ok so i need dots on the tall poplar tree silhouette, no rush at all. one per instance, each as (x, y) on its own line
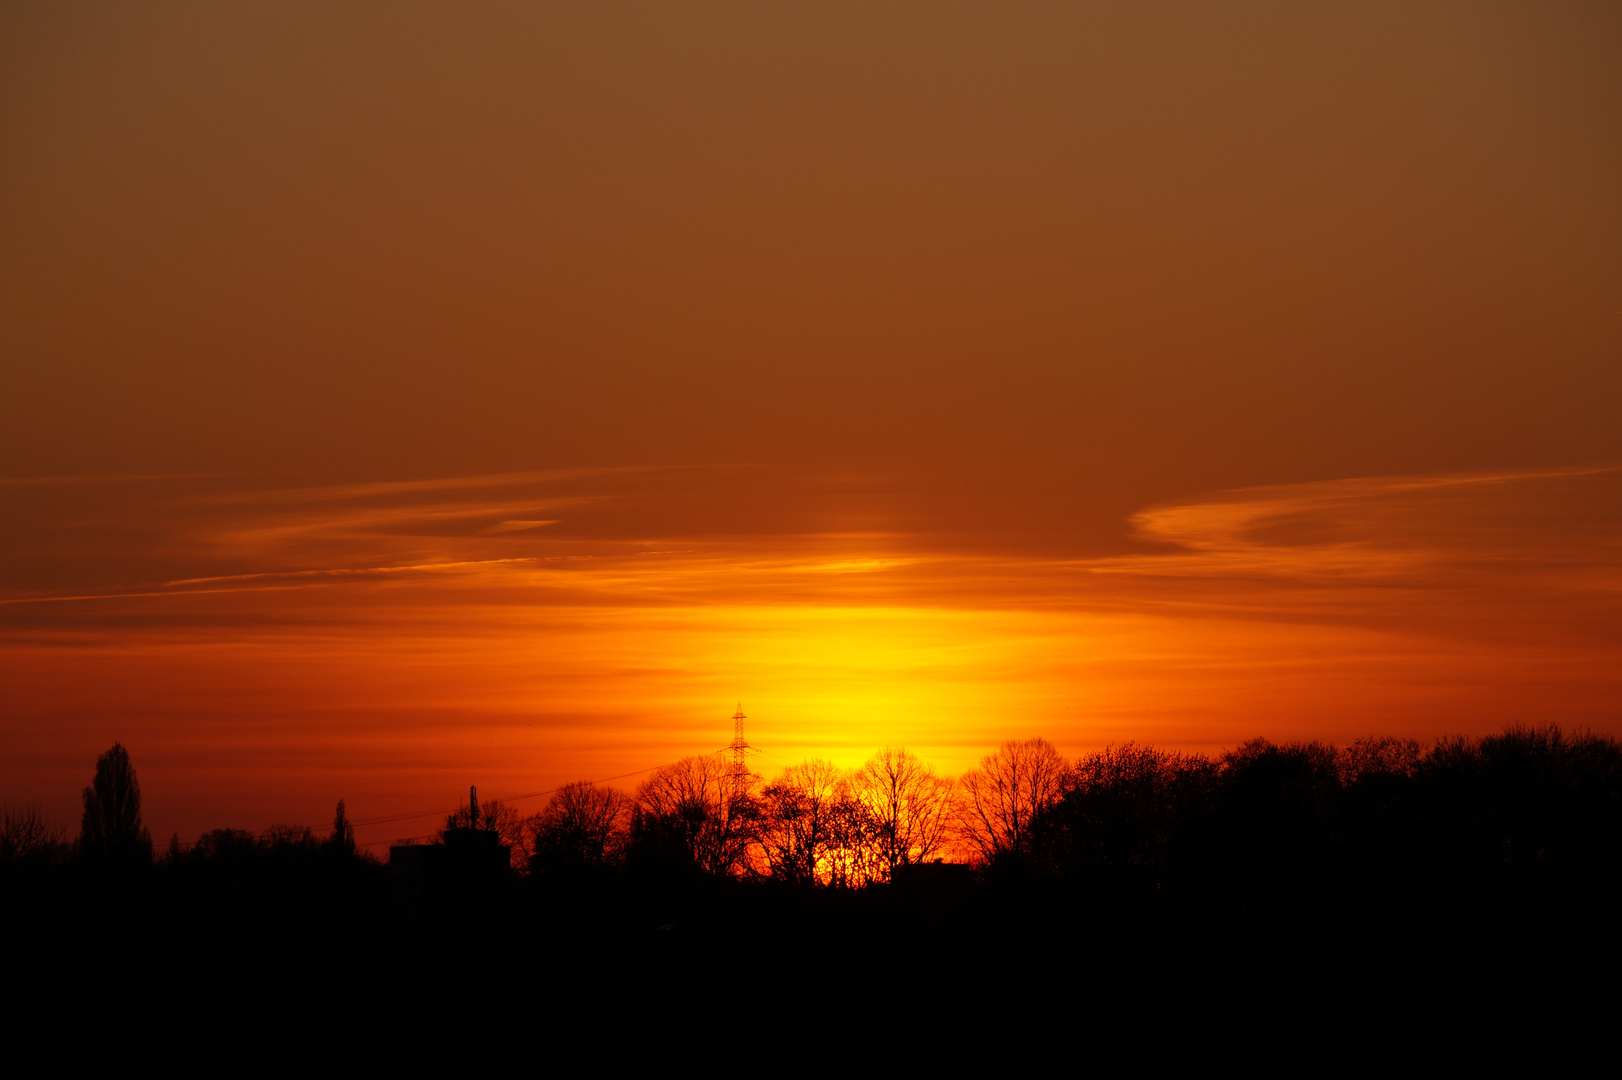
(111, 831)
(343, 833)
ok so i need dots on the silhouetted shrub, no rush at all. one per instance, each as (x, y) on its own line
(29, 839)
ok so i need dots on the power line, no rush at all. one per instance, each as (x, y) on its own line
(502, 798)
(737, 748)
(442, 810)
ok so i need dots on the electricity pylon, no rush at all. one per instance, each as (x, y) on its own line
(740, 749)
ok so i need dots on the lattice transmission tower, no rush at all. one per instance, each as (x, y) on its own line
(739, 748)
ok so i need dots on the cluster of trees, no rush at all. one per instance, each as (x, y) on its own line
(278, 844)
(1264, 826)
(1526, 797)
(1517, 825)
(110, 833)
(112, 836)
(815, 824)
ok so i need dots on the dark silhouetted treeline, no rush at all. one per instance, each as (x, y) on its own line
(1382, 906)
(1526, 824)
(1522, 825)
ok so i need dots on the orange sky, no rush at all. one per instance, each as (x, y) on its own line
(392, 399)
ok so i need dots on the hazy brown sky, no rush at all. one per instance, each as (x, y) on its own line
(968, 302)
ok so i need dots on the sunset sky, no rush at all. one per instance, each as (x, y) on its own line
(395, 396)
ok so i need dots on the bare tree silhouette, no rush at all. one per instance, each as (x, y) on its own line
(285, 840)
(583, 828)
(708, 807)
(28, 837)
(1378, 756)
(802, 817)
(911, 809)
(111, 831)
(1003, 798)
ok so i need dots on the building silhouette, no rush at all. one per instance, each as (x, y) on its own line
(466, 855)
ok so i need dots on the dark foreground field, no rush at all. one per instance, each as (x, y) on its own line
(734, 976)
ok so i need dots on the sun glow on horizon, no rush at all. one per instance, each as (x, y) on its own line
(355, 652)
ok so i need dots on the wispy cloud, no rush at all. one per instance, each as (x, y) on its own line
(352, 571)
(419, 628)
